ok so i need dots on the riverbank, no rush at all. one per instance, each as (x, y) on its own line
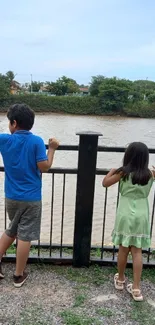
(60, 295)
(85, 105)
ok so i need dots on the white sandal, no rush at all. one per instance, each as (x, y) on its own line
(136, 293)
(119, 285)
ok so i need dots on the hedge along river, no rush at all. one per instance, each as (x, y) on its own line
(117, 131)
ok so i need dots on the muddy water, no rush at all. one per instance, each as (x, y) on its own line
(117, 131)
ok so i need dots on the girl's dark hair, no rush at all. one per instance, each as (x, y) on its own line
(135, 163)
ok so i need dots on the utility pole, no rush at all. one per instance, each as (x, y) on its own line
(31, 83)
(145, 88)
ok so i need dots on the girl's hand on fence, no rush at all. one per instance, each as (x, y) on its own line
(53, 143)
(111, 178)
(114, 170)
(153, 172)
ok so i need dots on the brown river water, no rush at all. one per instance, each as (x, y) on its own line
(117, 131)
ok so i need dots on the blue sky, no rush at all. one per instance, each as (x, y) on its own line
(78, 38)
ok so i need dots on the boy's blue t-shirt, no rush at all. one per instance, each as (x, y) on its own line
(21, 151)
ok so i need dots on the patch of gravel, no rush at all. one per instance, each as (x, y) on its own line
(44, 289)
(45, 294)
(105, 296)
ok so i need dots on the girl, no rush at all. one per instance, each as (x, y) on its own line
(132, 230)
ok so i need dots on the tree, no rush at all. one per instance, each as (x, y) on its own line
(4, 87)
(135, 96)
(55, 88)
(83, 86)
(114, 93)
(35, 86)
(10, 75)
(95, 84)
(144, 87)
(151, 98)
(63, 86)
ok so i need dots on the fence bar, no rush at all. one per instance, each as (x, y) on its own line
(52, 205)
(68, 147)
(104, 217)
(62, 217)
(85, 197)
(117, 149)
(152, 219)
(114, 248)
(5, 216)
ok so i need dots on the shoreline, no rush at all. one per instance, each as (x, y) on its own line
(80, 106)
(123, 116)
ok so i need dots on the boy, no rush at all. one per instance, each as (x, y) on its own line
(24, 156)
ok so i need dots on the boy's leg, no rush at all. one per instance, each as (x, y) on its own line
(5, 243)
(137, 266)
(23, 249)
(10, 233)
(28, 230)
(122, 261)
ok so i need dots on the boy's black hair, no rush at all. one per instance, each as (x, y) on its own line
(23, 115)
(135, 163)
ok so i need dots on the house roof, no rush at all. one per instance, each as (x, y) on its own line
(84, 89)
(44, 88)
(15, 84)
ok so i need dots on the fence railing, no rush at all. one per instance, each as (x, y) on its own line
(81, 252)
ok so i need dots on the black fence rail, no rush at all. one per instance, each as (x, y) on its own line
(80, 252)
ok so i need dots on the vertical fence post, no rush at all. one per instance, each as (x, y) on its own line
(85, 197)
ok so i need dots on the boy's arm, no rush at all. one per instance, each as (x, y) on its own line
(4, 139)
(45, 165)
(111, 178)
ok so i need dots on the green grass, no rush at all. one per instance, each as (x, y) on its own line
(104, 312)
(82, 287)
(95, 252)
(143, 313)
(79, 300)
(35, 315)
(70, 318)
(11, 250)
(94, 275)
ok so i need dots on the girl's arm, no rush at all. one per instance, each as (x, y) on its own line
(111, 178)
(153, 172)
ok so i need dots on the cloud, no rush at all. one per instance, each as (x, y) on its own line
(77, 37)
(69, 63)
(144, 55)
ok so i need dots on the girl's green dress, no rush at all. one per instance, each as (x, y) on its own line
(132, 226)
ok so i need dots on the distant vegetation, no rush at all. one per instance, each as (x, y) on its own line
(103, 96)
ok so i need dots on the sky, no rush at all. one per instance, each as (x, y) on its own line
(77, 38)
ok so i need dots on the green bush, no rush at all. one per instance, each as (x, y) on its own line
(140, 109)
(86, 105)
(64, 104)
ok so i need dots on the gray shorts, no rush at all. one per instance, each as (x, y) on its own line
(25, 219)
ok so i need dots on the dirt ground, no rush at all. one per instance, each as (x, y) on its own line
(65, 295)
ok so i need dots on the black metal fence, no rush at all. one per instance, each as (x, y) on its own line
(81, 252)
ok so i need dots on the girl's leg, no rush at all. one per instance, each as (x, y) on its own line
(137, 266)
(122, 261)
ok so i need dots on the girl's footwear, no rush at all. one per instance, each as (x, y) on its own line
(1, 273)
(136, 293)
(119, 285)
